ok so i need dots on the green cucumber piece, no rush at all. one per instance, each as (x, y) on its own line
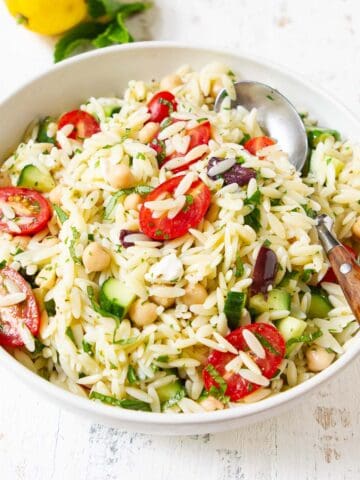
(110, 110)
(171, 393)
(42, 136)
(115, 297)
(234, 305)
(277, 299)
(320, 305)
(32, 177)
(291, 327)
(316, 135)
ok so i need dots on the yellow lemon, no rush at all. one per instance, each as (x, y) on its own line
(48, 17)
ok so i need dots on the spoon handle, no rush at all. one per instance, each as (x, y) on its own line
(347, 272)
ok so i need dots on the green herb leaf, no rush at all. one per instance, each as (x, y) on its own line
(50, 307)
(255, 198)
(60, 213)
(42, 136)
(220, 388)
(70, 334)
(245, 138)
(126, 403)
(126, 341)
(266, 344)
(306, 338)
(2, 264)
(179, 395)
(131, 375)
(307, 274)
(84, 31)
(253, 219)
(76, 236)
(115, 33)
(88, 348)
(309, 211)
(39, 346)
(96, 307)
(139, 189)
(239, 267)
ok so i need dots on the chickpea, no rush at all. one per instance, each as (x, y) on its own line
(148, 132)
(356, 228)
(212, 213)
(95, 258)
(5, 180)
(121, 177)
(55, 195)
(318, 358)
(164, 302)
(170, 82)
(194, 294)
(216, 87)
(143, 313)
(132, 201)
(211, 403)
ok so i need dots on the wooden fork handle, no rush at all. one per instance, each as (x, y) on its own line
(347, 272)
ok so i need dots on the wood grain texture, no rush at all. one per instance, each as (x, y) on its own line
(318, 439)
(350, 281)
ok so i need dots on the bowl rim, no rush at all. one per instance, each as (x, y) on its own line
(68, 399)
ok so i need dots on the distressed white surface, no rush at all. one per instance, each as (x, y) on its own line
(317, 440)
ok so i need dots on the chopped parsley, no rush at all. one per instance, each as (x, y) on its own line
(255, 198)
(139, 189)
(2, 264)
(239, 267)
(307, 274)
(253, 219)
(62, 216)
(50, 307)
(76, 236)
(131, 375)
(88, 348)
(163, 101)
(70, 334)
(245, 139)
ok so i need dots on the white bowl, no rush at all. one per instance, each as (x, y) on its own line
(105, 73)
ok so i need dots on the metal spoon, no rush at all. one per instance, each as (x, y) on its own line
(279, 119)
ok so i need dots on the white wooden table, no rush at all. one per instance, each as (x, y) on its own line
(317, 440)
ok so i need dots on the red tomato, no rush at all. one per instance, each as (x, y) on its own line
(258, 143)
(190, 216)
(84, 124)
(199, 135)
(330, 275)
(26, 312)
(32, 210)
(237, 386)
(161, 106)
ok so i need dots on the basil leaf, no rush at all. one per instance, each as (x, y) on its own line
(126, 341)
(115, 33)
(140, 189)
(60, 213)
(70, 334)
(126, 403)
(306, 338)
(50, 307)
(253, 219)
(76, 236)
(131, 375)
(266, 344)
(87, 30)
(219, 389)
(96, 307)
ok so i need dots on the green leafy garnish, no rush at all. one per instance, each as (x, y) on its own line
(60, 213)
(115, 33)
(96, 307)
(306, 338)
(307, 274)
(2, 264)
(245, 139)
(139, 189)
(309, 211)
(42, 136)
(75, 238)
(129, 404)
(218, 390)
(170, 106)
(50, 307)
(265, 343)
(70, 334)
(179, 395)
(131, 375)
(126, 341)
(253, 219)
(88, 348)
(239, 267)
(39, 346)
(255, 198)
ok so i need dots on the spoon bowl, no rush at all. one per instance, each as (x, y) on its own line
(277, 117)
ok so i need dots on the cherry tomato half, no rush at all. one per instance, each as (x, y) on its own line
(161, 106)
(32, 210)
(84, 124)
(237, 386)
(330, 275)
(163, 228)
(199, 135)
(258, 143)
(26, 312)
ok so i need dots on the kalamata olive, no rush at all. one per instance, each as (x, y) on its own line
(232, 173)
(264, 271)
(124, 234)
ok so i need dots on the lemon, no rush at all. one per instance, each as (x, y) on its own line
(48, 17)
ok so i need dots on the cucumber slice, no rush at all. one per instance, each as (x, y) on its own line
(320, 305)
(171, 393)
(277, 299)
(115, 297)
(32, 177)
(316, 135)
(291, 327)
(110, 110)
(234, 304)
